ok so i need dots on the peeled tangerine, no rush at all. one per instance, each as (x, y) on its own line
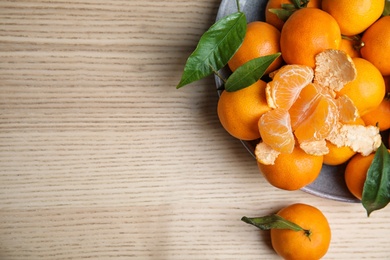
(305, 109)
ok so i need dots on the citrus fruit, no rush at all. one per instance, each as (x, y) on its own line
(339, 155)
(368, 89)
(379, 116)
(307, 32)
(354, 16)
(376, 47)
(286, 85)
(275, 130)
(387, 83)
(351, 46)
(313, 243)
(356, 173)
(261, 39)
(292, 171)
(314, 114)
(239, 111)
(273, 19)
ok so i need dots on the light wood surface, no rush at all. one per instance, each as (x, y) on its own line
(102, 158)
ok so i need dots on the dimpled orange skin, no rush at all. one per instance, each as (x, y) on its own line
(291, 244)
(273, 19)
(348, 46)
(376, 48)
(354, 16)
(368, 89)
(356, 173)
(306, 33)
(261, 39)
(240, 111)
(292, 171)
(380, 116)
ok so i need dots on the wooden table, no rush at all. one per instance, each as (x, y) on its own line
(103, 158)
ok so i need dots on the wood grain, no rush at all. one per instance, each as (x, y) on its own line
(102, 158)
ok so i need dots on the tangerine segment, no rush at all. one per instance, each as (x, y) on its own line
(304, 105)
(286, 85)
(320, 123)
(275, 130)
(348, 112)
(314, 114)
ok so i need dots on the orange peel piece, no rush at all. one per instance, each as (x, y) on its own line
(334, 69)
(361, 139)
(265, 154)
(315, 147)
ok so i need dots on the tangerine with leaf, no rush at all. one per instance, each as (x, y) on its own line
(307, 32)
(239, 111)
(278, 11)
(261, 39)
(298, 231)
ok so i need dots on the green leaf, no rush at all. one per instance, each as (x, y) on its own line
(215, 48)
(272, 221)
(289, 7)
(297, 3)
(249, 72)
(376, 190)
(386, 11)
(282, 14)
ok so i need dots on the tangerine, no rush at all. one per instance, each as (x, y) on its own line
(261, 39)
(239, 111)
(379, 116)
(367, 90)
(376, 47)
(307, 32)
(339, 155)
(273, 19)
(356, 173)
(292, 171)
(311, 243)
(354, 16)
(351, 47)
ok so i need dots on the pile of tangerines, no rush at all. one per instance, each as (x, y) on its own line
(326, 101)
(327, 97)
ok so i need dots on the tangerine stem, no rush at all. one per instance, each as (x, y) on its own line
(217, 74)
(238, 5)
